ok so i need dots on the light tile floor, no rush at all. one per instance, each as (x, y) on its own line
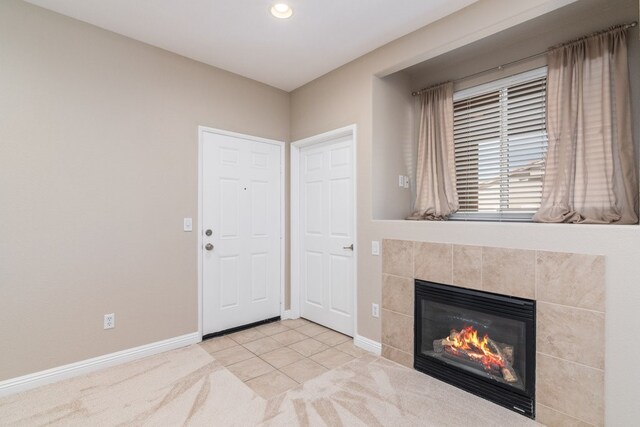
(276, 357)
(186, 386)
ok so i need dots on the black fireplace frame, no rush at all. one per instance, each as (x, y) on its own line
(520, 401)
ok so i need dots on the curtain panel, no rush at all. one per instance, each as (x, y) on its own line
(591, 171)
(437, 197)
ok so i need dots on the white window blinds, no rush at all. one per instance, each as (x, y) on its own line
(500, 142)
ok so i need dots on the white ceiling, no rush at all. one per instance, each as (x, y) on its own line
(242, 37)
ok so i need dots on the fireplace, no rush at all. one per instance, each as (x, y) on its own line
(481, 342)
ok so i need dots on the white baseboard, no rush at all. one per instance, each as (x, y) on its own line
(288, 314)
(367, 344)
(29, 381)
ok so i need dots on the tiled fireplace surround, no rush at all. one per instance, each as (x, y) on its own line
(570, 294)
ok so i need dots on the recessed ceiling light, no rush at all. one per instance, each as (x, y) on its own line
(281, 10)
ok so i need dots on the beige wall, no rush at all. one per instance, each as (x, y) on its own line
(344, 96)
(393, 146)
(98, 167)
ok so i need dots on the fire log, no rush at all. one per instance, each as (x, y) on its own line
(504, 352)
(507, 353)
(494, 347)
(468, 358)
(508, 374)
(439, 345)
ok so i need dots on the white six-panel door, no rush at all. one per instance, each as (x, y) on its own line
(241, 206)
(326, 234)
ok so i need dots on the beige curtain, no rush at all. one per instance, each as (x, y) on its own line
(591, 174)
(436, 175)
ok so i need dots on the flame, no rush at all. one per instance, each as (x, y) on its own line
(476, 348)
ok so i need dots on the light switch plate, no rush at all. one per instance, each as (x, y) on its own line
(406, 182)
(188, 224)
(375, 247)
(400, 180)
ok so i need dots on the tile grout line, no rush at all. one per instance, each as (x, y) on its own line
(564, 413)
(397, 312)
(451, 246)
(283, 346)
(535, 275)
(395, 348)
(413, 258)
(276, 369)
(395, 275)
(571, 306)
(327, 369)
(481, 268)
(280, 371)
(570, 361)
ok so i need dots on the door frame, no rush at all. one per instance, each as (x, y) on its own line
(296, 147)
(199, 226)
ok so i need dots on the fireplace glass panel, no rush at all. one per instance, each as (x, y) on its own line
(481, 343)
(478, 341)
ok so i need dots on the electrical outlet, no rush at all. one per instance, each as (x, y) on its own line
(110, 321)
(375, 310)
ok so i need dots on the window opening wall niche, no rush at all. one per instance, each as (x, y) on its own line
(394, 134)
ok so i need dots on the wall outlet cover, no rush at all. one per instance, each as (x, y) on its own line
(109, 321)
(375, 310)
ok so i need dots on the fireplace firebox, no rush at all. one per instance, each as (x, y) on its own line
(481, 342)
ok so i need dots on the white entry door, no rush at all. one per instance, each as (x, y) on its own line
(327, 233)
(241, 226)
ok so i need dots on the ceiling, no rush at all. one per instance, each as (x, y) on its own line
(241, 36)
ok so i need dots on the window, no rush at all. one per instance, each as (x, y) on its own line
(500, 142)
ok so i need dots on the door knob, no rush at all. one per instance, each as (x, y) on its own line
(348, 247)
(208, 232)
(208, 247)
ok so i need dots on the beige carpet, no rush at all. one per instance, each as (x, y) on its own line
(188, 387)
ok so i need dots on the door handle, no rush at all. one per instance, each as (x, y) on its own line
(208, 247)
(348, 247)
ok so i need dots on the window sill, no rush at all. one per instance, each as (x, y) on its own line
(456, 223)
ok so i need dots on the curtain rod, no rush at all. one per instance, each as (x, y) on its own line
(508, 64)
